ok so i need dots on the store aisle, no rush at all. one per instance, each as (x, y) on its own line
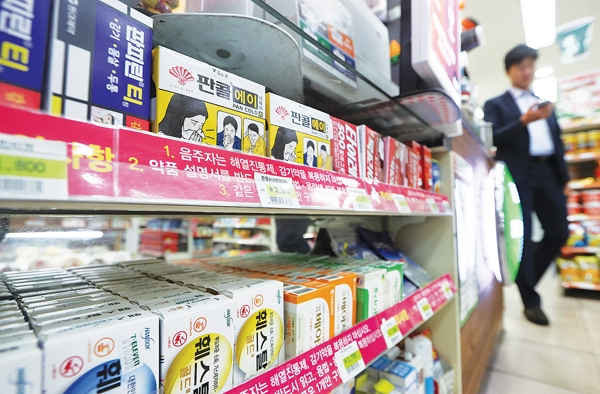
(559, 359)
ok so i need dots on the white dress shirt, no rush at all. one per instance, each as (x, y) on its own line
(540, 136)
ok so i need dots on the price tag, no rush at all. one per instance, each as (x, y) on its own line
(586, 155)
(391, 332)
(447, 207)
(360, 200)
(433, 205)
(349, 361)
(32, 168)
(446, 289)
(401, 203)
(425, 309)
(276, 191)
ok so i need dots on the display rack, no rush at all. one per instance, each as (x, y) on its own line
(580, 128)
(579, 250)
(582, 157)
(132, 182)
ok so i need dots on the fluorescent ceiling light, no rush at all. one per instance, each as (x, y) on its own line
(56, 235)
(539, 21)
(544, 72)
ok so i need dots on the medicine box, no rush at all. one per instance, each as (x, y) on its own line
(297, 133)
(100, 61)
(395, 161)
(345, 148)
(201, 103)
(23, 42)
(371, 153)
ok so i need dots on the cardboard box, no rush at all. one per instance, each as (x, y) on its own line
(298, 133)
(118, 354)
(200, 103)
(436, 182)
(395, 161)
(371, 153)
(345, 148)
(20, 364)
(23, 39)
(413, 166)
(100, 63)
(426, 176)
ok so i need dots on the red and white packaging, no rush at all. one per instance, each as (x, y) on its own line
(371, 153)
(396, 156)
(426, 168)
(413, 166)
(345, 148)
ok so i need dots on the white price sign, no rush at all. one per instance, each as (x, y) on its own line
(391, 332)
(360, 200)
(433, 205)
(349, 361)
(32, 168)
(446, 289)
(425, 309)
(276, 191)
(401, 203)
(447, 207)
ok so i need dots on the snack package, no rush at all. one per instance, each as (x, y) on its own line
(396, 156)
(577, 236)
(569, 270)
(592, 232)
(589, 270)
(345, 148)
(100, 62)
(371, 153)
(23, 39)
(201, 103)
(298, 134)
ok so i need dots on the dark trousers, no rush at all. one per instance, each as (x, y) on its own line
(542, 193)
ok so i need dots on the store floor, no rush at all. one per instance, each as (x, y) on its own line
(559, 359)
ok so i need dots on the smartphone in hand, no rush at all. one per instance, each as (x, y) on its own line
(543, 103)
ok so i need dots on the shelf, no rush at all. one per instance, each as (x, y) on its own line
(243, 226)
(105, 170)
(581, 128)
(579, 249)
(582, 157)
(584, 185)
(369, 339)
(580, 285)
(581, 217)
(241, 242)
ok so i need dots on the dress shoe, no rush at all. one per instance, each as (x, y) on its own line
(536, 316)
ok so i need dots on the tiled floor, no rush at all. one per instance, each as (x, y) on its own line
(559, 359)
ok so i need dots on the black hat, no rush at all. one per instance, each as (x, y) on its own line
(518, 54)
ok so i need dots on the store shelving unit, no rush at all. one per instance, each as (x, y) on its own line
(581, 128)
(582, 157)
(261, 233)
(129, 188)
(580, 250)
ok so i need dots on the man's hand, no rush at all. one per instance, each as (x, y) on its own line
(536, 113)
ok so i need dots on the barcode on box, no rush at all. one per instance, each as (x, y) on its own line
(281, 200)
(301, 291)
(26, 186)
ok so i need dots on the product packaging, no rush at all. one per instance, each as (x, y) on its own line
(201, 103)
(426, 170)
(372, 153)
(589, 269)
(20, 364)
(413, 167)
(403, 376)
(436, 181)
(396, 156)
(118, 354)
(298, 133)
(23, 39)
(100, 62)
(569, 269)
(422, 347)
(345, 148)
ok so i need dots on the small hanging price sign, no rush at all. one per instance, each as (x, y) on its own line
(360, 200)
(401, 203)
(276, 191)
(433, 205)
(349, 361)
(391, 332)
(424, 308)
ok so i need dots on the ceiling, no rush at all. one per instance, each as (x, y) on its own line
(503, 29)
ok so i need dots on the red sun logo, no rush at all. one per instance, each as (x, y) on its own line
(182, 75)
(281, 111)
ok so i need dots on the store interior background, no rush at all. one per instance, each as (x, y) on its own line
(503, 29)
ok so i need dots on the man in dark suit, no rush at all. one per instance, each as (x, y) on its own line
(527, 137)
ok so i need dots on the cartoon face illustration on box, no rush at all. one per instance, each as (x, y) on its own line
(285, 145)
(184, 118)
(254, 138)
(296, 147)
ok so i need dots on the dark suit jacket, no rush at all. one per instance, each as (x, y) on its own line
(512, 138)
